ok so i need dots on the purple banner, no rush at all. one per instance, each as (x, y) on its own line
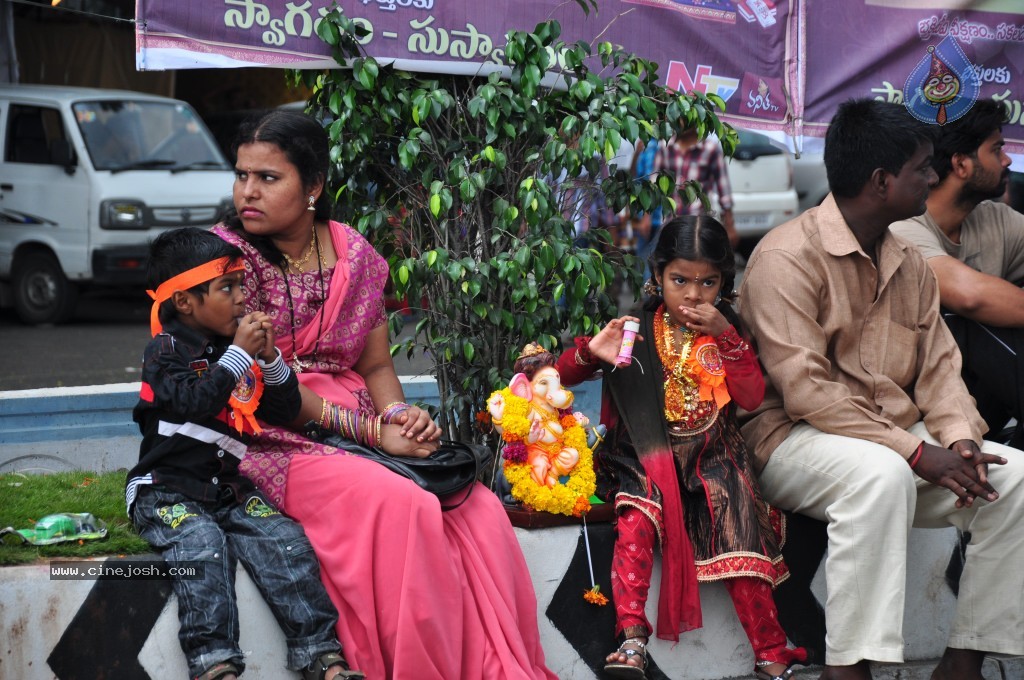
(780, 65)
(734, 49)
(859, 48)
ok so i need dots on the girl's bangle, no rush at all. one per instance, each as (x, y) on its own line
(583, 356)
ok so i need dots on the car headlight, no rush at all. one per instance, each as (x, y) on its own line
(121, 214)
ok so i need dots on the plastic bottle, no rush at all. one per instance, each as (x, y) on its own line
(629, 331)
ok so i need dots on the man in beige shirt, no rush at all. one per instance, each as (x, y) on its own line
(975, 247)
(866, 423)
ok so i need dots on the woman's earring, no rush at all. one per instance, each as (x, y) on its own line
(651, 288)
(312, 203)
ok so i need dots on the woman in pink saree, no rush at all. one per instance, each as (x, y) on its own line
(420, 593)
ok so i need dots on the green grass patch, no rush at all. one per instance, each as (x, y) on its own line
(24, 499)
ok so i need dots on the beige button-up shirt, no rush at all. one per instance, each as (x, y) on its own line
(849, 348)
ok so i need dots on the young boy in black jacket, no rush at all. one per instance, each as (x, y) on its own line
(200, 398)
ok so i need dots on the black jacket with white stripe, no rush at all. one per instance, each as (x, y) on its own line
(190, 442)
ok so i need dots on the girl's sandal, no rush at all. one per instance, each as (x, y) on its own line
(765, 675)
(317, 670)
(632, 648)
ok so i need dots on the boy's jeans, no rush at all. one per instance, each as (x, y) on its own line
(211, 538)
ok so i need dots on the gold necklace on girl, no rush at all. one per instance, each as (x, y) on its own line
(685, 410)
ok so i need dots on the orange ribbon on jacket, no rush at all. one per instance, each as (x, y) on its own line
(245, 399)
(185, 280)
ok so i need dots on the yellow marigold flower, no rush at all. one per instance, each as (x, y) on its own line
(517, 426)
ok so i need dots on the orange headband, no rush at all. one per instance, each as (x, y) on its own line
(185, 280)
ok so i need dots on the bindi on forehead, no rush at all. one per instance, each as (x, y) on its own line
(693, 271)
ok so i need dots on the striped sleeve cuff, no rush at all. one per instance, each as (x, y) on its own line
(276, 372)
(236, 360)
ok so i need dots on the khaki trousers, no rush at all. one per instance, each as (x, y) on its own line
(871, 498)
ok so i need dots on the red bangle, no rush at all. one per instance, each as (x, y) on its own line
(583, 356)
(914, 459)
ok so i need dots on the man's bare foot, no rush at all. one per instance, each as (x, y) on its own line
(858, 671)
(959, 664)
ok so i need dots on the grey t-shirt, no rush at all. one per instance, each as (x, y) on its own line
(991, 240)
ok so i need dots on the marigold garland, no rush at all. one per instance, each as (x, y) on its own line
(571, 498)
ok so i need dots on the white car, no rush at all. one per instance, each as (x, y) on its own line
(809, 179)
(88, 178)
(761, 175)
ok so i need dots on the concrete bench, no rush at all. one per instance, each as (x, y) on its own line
(73, 628)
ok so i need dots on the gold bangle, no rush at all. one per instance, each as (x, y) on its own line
(323, 412)
(394, 403)
(379, 421)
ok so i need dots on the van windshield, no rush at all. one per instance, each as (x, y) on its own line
(141, 135)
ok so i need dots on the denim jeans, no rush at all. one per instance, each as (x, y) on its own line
(213, 537)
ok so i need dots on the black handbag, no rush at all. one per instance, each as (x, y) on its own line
(453, 467)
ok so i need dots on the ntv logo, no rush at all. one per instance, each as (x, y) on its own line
(703, 80)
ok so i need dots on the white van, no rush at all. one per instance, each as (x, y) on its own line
(88, 178)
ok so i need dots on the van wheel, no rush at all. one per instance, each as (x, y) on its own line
(42, 294)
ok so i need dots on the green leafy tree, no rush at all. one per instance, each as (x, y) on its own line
(456, 180)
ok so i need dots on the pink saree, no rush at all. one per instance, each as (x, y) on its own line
(420, 593)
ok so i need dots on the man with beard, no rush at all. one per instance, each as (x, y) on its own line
(975, 247)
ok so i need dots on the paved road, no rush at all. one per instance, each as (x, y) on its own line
(102, 345)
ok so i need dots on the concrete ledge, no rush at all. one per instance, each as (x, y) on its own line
(67, 413)
(81, 629)
(80, 622)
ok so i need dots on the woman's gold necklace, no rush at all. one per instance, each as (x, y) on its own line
(299, 265)
(298, 365)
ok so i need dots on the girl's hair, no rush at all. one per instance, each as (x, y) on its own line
(304, 143)
(698, 238)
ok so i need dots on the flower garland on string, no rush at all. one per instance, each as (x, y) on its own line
(571, 498)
